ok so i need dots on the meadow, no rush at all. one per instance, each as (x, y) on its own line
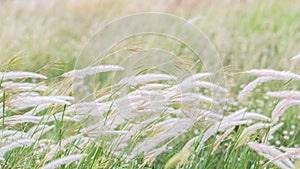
(149, 101)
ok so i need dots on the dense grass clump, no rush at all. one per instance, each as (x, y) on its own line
(100, 116)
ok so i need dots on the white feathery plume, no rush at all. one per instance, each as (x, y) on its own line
(36, 128)
(79, 74)
(150, 143)
(16, 144)
(146, 93)
(20, 75)
(84, 109)
(17, 136)
(273, 130)
(18, 119)
(42, 131)
(215, 116)
(42, 145)
(95, 134)
(59, 116)
(145, 78)
(64, 160)
(281, 75)
(38, 109)
(221, 138)
(236, 114)
(286, 149)
(196, 77)
(193, 98)
(169, 124)
(154, 86)
(26, 102)
(12, 135)
(195, 114)
(189, 82)
(220, 127)
(250, 130)
(281, 107)
(151, 156)
(5, 133)
(27, 94)
(290, 95)
(24, 86)
(270, 152)
(209, 85)
(188, 145)
(107, 96)
(63, 144)
(84, 141)
(290, 154)
(228, 124)
(296, 58)
(252, 85)
(98, 109)
(171, 128)
(100, 129)
(206, 135)
(67, 98)
(280, 164)
(92, 127)
(251, 116)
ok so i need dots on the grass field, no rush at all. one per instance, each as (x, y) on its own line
(138, 107)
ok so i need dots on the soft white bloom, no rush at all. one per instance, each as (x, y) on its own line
(273, 130)
(192, 98)
(79, 74)
(42, 131)
(107, 96)
(150, 157)
(18, 119)
(228, 124)
(12, 135)
(63, 144)
(274, 73)
(27, 94)
(154, 86)
(145, 78)
(20, 75)
(196, 77)
(209, 85)
(270, 152)
(24, 86)
(296, 58)
(290, 95)
(38, 109)
(206, 135)
(251, 130)
(252, 85)
(26, 102)
(251, 116)
(65, 160)
(221, 138)
(281, 107)
(171, 128)
(17, 143)
(236, 114)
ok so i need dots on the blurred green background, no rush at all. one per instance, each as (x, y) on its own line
(48, 35)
